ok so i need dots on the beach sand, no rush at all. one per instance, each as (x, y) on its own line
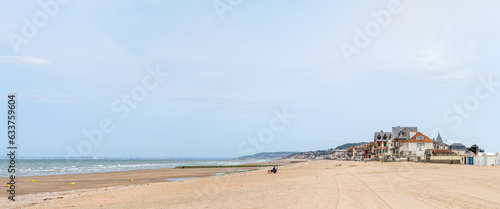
(55, 183)
(311, 184)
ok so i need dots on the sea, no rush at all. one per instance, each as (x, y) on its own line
(37, 167)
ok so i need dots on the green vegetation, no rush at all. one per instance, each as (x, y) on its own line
(310, 154)
(347, 145)
(297, 161)
(321, 153)
(474, 149)
(265, 155)
(223, 166)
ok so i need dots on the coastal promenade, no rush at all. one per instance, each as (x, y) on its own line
(310, 184)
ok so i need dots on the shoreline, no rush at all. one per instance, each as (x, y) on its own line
(257, 161)
(63, 182)
(310, 184)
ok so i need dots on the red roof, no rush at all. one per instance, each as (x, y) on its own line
(442, 151)
(425, 138)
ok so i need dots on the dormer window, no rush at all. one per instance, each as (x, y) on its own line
(420, 137)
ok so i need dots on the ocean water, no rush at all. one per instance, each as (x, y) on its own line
(36, 167)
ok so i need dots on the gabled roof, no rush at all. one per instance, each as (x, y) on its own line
(418, 135)
(382, 136)
(402, 132)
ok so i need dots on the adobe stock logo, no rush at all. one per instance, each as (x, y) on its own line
(40, 19)
(223, 6)
(122, 107)
(362, 38)
(471, 103)
(277, 124)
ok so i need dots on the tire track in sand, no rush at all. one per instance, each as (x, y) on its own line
(444, 199)
(434, 186)
(338, 188)
(422, 199)
(373, 191)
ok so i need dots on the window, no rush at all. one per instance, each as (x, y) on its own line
(420, 137)
(385, 144)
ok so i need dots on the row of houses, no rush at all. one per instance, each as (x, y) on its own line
(407, 143)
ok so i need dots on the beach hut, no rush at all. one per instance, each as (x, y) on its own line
(481, 159)
(486, 159)
(468, 160)
(491, 159)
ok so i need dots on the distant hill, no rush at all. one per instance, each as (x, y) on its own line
(347, 145)
(280, 155)
(312, 154)
(308, 154)
(265, 155)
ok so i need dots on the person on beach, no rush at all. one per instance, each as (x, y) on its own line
(274, 170)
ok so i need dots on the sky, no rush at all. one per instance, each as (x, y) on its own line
(226, 78)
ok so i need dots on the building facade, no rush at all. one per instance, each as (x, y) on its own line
(383, 141)
(416, 146)
(400, 136)
(458, 148)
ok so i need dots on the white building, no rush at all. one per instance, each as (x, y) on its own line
(416, 146)
(487, 159)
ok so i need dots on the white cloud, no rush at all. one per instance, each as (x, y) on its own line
(436, 60)
(453, 75)
(23, 60)
(236, 104)
(442, 64)
(47, 96)
(210, 74)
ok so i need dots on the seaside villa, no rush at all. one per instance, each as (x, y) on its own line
(400, 136)
(458, 148)
(383, 141)
(407, 144)
(415, 148)
(439, 144)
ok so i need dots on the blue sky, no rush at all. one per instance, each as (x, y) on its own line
(226, 76)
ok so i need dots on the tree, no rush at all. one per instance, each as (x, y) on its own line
(474, 149)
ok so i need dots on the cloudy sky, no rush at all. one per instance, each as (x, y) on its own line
(225, 78)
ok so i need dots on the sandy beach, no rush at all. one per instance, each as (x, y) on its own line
(311, 184)
(56, 183)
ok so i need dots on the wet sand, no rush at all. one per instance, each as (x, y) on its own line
(56, 183)
(312, 184)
